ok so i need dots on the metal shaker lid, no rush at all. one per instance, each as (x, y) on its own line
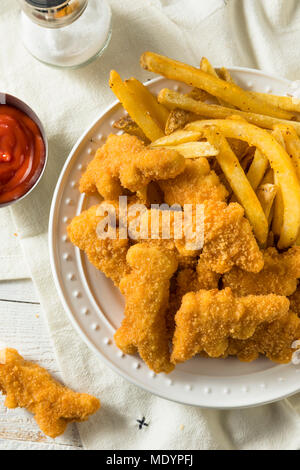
(45, 3)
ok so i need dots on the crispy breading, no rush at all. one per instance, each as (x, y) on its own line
(27, 385)
(146, 290)
(278, 276)
(185, 262)
(207, 319)
(295, 301)
(273, 340)
(125, 162)
(188, 280)
(196, 184)
(108, 255)
(185, 280)
(228, 239)
(207, 279)
(161, 228)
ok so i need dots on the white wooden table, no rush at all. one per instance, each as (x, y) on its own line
(23, 327)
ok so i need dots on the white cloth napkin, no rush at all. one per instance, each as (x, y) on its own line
(12, 262)
(254, 33)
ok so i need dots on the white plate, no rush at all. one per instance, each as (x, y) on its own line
(96, 307)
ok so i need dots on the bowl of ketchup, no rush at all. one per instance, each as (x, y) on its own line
(23, 149)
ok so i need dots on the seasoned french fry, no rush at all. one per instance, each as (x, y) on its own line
(194, 149)
(245, 161)
(288, 103)
(277, 134)
(266, 194)
(143, 95)
(278, 207)
(171, 99)
(271, 240)
(278, 215)
(225, 75)
(177, 138)
(198, 95)
(239, 183)
(257, 169)
(206, 66)
(240, 148)
(268, 177)
(126, 124)
(229, 92)
(135, 109)
(286, 176)
(177, 119)
(292, 144)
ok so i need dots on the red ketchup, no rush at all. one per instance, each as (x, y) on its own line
(22, 153)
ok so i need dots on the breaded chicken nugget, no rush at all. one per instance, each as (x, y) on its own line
(107, 255)
(184, 281)
(188, 280)
(146, 290)
(295, 301)
(125, 162)
(195, 185)
(27, 385)
(278, 276)
(207, 279)
(158, 228)
(273, 340)
(228, 239)
(208, 319)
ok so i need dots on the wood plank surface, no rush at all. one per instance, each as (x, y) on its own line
(23, 327)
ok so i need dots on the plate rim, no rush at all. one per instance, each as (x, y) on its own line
(51, 242)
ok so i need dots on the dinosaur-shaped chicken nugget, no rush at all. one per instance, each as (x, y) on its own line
(27, 385)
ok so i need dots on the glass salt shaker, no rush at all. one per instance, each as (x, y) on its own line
(65, 33)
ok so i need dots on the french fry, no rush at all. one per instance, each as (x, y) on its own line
(171, 99)
(240, 148)
(292, 144)
(228, 92)
(198, 94)
(271, 238)
(177, 119)
(206, 66)
(194, 149)
(268, 177)
(143, 95)
(225, 75)
(257, 169)
(135, 109)
(278, 215)
(239, 183)
(266, 194)
(288, 103)
(286, 177)
(245, 161)
(277, 134)
(278, 208)
(177, 138)
(126, 124)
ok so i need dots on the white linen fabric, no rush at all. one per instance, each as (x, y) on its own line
(255, 33)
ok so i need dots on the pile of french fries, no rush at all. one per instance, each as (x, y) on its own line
(212, 121)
